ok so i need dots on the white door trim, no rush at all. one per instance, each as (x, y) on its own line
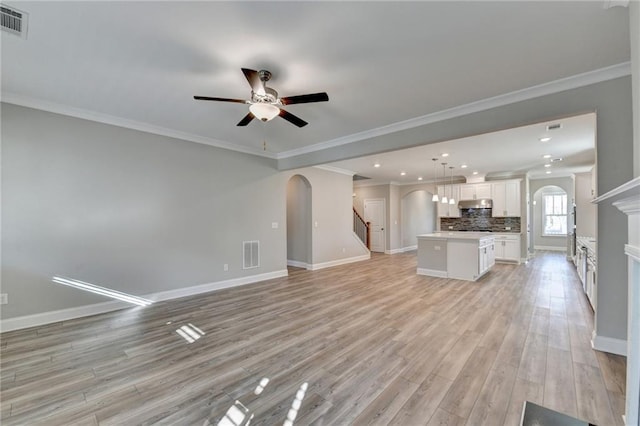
(382, 233)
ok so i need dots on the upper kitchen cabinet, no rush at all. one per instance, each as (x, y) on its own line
(475, 191)
(506, 198)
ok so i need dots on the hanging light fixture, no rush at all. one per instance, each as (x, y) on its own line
(451, 199)
(264, 111)
(444, 199)
(435, 198)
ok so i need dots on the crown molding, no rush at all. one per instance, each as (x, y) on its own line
(629, 188)
(572, 82)
(567, 83)
(25, 101)
(335, 170)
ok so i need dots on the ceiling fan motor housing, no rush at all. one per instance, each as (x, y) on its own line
(270, 96)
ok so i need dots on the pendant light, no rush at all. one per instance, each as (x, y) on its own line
(435, 198)
(451, 199)
(444, 199)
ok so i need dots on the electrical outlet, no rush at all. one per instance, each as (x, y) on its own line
(437, 248)
(274, 225)
(4, 299)
(451, 227)
(344, 250)
(226, 267)
(508, 228)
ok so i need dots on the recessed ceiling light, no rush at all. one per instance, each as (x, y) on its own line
(464, 166)
(548, 172)
(403, 173)
(376, 165)
(556, 159)
(475, 173)
(546, 156)
(446, 154)
(419, 177)
(547, 165)
(545, 139)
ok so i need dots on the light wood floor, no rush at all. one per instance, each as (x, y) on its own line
(375, 343)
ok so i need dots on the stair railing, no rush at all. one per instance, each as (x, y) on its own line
(362, 229)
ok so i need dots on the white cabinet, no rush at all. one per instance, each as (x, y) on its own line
(507, 247)
(590, 283)
(486, 255)
(506, 198)
(448, 210)
(475, 191)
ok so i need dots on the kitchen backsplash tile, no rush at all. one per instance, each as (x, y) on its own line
(480, 222)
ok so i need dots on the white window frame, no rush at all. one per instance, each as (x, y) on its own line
(564, 215)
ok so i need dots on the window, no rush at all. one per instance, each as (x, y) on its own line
(555, 214)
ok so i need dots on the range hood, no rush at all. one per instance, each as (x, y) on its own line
(482, 203)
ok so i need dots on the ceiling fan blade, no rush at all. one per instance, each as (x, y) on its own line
(207, 98)
(305, 99)
(246, 120)
(292, 118)
(253, 77)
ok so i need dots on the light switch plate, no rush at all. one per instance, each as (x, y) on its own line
(4, 299)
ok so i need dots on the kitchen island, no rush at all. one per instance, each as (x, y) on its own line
(458, 255)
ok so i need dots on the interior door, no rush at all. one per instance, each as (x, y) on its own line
(374, 212)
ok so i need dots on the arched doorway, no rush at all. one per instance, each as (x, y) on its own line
(550, 213)
(418, 216)
(299, 226)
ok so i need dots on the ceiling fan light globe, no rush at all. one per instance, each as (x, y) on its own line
(264, 111)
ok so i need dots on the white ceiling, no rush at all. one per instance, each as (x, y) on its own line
(511, 152)
(138, 64)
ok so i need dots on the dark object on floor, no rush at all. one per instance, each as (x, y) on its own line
(536, 415)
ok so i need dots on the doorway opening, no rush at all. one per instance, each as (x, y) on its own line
(299, 235)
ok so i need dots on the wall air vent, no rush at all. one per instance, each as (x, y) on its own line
(555, 126)
(251, 254)
(13, 21)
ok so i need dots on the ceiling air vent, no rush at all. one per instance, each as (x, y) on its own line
(13, 21)
(554, 126)
(359, 177)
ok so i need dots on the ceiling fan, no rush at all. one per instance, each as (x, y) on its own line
(265, 103)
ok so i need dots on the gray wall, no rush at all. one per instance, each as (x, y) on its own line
(142, 213)
(395, 225)
(299, 222)
(127, 210)
(586, 211)
(634, 35)
(418, 216)
(332, 234)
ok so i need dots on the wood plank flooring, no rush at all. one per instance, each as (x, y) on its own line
(366, 343)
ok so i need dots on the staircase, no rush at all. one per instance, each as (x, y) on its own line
(362, 229)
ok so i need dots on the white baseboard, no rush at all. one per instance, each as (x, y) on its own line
(219, 285)
(609, 344)
(432, 273)
(297, 264)
(99, 308)
(551, 248)
(316, 266)
(34, 320)
(401, 250)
